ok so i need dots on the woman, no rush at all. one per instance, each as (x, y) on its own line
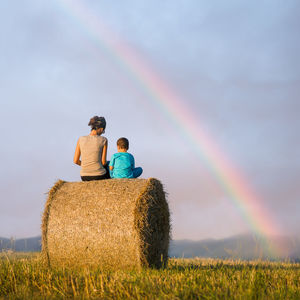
(93, 150)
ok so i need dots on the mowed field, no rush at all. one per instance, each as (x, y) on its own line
(23, 276)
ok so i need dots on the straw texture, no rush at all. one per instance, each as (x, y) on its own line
(114, 223)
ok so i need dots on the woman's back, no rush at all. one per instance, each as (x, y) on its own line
(91, 147)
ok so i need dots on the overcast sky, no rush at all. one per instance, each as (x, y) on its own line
(235, 64)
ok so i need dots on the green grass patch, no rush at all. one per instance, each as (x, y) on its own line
(24, 276)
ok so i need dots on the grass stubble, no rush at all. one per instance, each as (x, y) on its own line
(25, 276)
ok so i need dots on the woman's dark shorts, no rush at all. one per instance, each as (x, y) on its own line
(100, 177)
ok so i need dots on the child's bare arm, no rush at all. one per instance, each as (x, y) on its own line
(77, 154)
(112, 163)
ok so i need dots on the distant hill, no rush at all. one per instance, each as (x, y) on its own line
(32, 244)
(244, 247)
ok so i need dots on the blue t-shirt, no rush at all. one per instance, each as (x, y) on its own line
(123, 163)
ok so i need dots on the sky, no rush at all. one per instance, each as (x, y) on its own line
(235, 65)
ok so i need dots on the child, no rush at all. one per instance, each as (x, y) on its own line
(122, 163)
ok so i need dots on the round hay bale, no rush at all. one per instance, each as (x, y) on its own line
(108, 223)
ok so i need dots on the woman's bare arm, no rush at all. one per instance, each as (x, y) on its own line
(77, 154)
(104, 153)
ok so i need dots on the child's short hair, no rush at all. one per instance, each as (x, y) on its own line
(123, 143)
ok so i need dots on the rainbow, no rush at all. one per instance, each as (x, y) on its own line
(168, 102)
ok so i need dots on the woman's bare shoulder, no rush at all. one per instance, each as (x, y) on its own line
(104, 139)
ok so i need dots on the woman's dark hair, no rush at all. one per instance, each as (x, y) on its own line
(97, 122)
(123, 143)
